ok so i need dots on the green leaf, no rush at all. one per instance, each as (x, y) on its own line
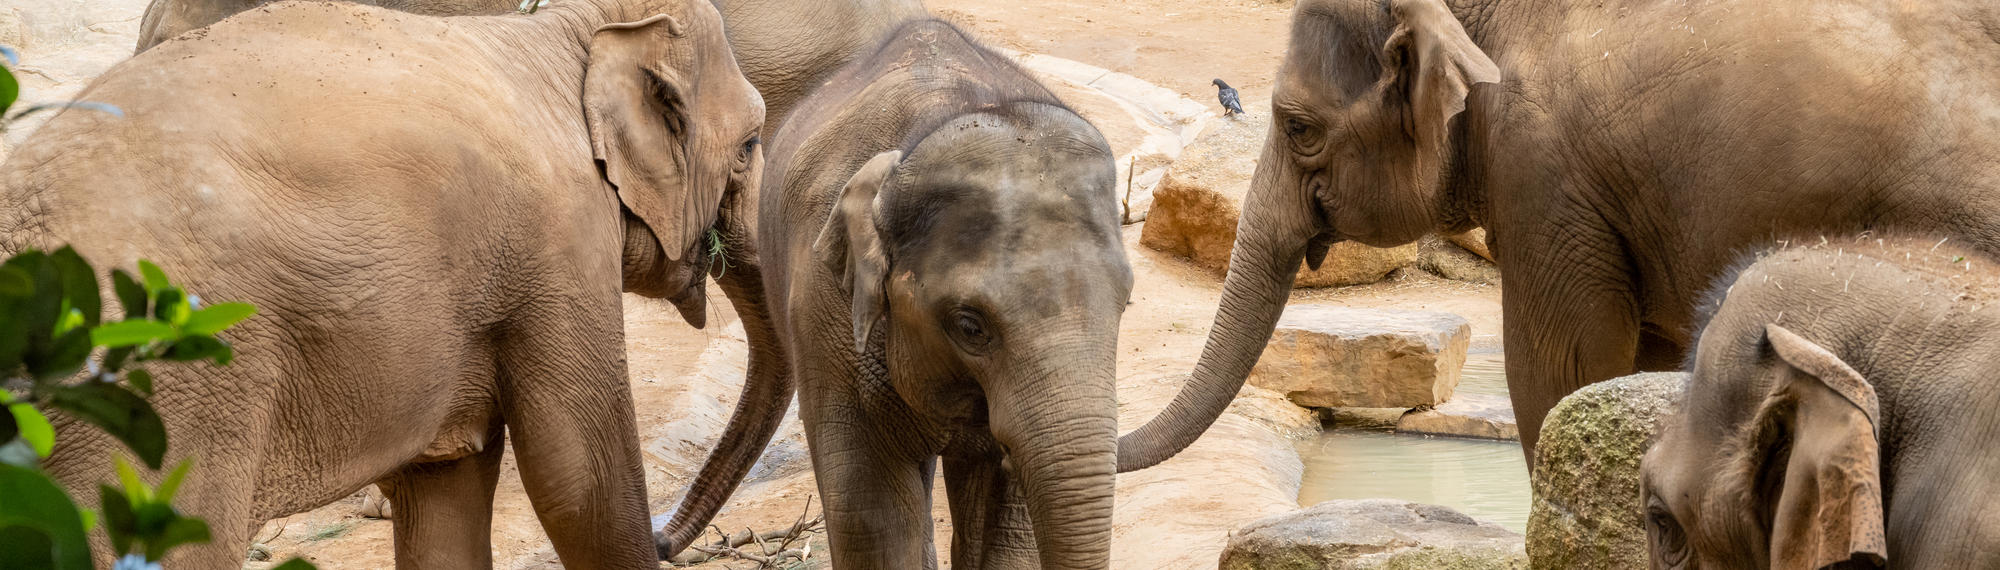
(165, 492)
(79, 284)
(171, 305)
(119, 521)
(29, 500)
(121, 413)
(136, 489)
(15, 282)
(114, 360)
(131, 294)
(34, 428)
(213, 319)
(181, 530)
(66, 355)
(155, 279)
(142, 380)
(89, 519)
(10, 89)
(9, 428)
(193, 348)
(296, 564)
(131, 333)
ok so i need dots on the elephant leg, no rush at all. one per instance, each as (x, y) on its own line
(1571, 318)
(989, 518)
(569, 415)
(444, 510)
(877, 500)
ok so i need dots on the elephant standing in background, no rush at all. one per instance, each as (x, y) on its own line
(1620, 154)
(946, 269)
(1840, 414)
(165, 19)
(789, 48)
(435, 218)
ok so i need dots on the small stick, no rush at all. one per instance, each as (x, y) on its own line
(1130, 170)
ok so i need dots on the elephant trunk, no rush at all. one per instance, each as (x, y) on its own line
(1060, 430)
(767, 394)
(1278, 221)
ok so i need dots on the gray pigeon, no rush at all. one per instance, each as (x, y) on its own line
(1230, 105)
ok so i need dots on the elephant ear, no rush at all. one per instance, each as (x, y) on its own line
(1433, 63)
(1816, 460)
(635, 105)
(851, 247)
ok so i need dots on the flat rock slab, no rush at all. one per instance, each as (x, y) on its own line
(1335, 357)
(1586, 512)
(1195, 208)
(1481, 416)
(1373, 533)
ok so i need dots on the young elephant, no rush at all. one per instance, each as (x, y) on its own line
(1839, 414)
(434, 217)
(948, 277)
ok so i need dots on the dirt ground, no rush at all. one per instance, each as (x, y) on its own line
(1177, 515)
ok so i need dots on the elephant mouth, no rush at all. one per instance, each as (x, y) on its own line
(700, 261)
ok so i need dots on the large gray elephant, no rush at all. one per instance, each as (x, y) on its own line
(945, 266)
(435, 218)
(1840, 414)
(1619, 153)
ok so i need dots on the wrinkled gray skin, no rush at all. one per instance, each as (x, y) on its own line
(789, 48)
(436, 243)
(1840, 412)
(1620, 154)
(948, 275)
(165, 19)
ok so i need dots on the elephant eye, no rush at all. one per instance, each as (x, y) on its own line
(1669, 543)
(1305, 136)
(970, 329)
(749, 149)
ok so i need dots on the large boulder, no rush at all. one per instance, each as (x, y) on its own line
(1483, 416)
(1445, 257)
(1196, 205)
(1373, 533)
(1335, 357)
(1586, 511)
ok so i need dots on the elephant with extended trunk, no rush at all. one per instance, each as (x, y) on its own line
(1839, 415)
(943, 258)
(1620, 154)
(435, 218)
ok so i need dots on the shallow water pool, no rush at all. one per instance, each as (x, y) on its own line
(1485, 479)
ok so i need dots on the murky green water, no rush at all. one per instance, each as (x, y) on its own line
(1485, 479)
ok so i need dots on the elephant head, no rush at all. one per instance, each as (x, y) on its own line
(983, 263)
(1786, 478)
(673, 127)
(1358, 150)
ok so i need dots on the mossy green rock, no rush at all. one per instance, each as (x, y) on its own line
(1373, 534)
(1585, 512)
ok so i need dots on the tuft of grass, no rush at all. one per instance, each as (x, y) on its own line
(718, 254)
(329, 531)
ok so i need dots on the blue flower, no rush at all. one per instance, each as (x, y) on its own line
(135, 562)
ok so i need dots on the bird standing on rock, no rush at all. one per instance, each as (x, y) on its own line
(1230, 105)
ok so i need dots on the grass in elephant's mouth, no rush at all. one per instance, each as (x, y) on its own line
(329, 531)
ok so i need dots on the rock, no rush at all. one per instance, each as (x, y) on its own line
(1466, 415)
(374, 505)
(1334, 357)
(1196, 206)
(1586, 512)
(1373, 533)
(1473, 240)
(1445, 258)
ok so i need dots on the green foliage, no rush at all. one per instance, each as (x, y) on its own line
(718, 254)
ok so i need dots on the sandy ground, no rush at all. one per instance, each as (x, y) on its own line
(1176, 515)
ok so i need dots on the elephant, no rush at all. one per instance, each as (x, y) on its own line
(435, 218)
(790, 48)
(946, 271)
(165, 19)
(1838, 413)
(1619, 154)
